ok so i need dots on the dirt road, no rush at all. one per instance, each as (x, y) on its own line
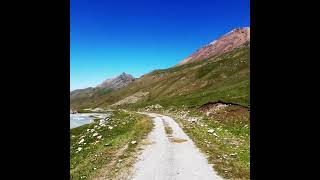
(171, 157)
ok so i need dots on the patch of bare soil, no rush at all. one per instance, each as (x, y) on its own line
(222, 111)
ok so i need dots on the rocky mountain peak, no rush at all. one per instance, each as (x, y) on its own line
(225, 43)
(117, 82)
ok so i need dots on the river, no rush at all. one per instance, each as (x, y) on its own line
(80, 119)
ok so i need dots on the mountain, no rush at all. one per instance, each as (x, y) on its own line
(84, 97)
(117, 82)
(228, 42)
(224, 77)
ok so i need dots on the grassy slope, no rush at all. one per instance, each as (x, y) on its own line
(87, 97)
(225, 77)
(98, 160)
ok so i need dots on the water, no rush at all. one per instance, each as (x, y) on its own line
(77, 120)
(80, 119)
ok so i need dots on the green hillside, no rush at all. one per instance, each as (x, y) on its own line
(225, 77)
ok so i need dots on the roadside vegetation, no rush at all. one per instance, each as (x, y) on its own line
(103, 148)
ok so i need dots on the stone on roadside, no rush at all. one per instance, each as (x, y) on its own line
(194, 120)
(81, 141)
(210, 131)
(233, 154)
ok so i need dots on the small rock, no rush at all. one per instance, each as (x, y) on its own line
(110, 127)
(108, 144)
(81, 141)
(233, 154)
(210, 131)
(79, 149)
(99, 137)
(95, 134)
(133, 142)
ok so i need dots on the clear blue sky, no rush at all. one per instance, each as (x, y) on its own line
(109, 37)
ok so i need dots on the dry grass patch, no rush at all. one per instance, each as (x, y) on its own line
(167, 128)
(177, 140)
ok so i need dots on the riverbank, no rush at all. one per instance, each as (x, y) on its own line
(80, 119)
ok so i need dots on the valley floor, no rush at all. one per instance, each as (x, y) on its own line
(176, 145)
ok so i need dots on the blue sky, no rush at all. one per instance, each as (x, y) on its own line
(109, 37)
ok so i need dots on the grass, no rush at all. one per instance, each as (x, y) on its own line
(168, 129)
(105, 156)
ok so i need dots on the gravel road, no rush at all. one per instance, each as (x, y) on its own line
(164, 159)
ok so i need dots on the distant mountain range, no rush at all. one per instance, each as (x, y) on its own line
(112, 83)
(80, 96)
(217, 71)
